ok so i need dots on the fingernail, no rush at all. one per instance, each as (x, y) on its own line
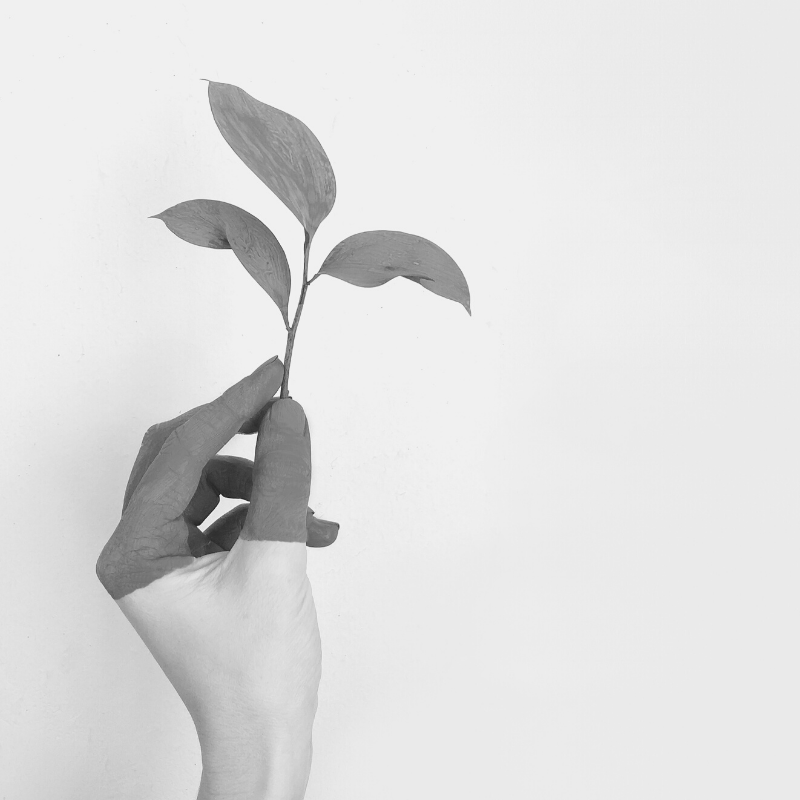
(266, 364)
(289, 414)
(267, 371)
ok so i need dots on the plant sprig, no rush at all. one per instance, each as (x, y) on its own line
(288, 158)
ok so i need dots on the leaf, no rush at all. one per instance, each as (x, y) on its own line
(279, 149)
(197, 222)
(212, 223)
(374, 257)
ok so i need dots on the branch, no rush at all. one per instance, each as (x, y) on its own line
(287, 361)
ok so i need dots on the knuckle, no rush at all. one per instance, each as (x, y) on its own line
(179, 444)
(151, 432)
(101, 569)
(232, 400)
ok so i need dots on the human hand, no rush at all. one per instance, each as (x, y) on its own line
(228, 613)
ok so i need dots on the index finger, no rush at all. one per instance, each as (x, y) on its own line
(171, 479)
(155, 437)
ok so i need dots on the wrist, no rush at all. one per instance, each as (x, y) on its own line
(273, 763)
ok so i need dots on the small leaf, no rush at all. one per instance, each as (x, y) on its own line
(212, 223)
(374, 257)
(279, 149)
(197, 222)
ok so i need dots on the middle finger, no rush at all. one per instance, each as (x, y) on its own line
(223, 476)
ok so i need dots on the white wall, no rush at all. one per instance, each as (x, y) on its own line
(568, 562)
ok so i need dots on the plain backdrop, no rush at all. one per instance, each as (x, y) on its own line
(568, 559)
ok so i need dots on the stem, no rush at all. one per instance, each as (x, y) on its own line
(287, 361)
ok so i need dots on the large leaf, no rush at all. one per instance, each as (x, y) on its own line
(374, 257)
(280, 149)
(212, 223)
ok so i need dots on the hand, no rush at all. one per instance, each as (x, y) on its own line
(228, 613)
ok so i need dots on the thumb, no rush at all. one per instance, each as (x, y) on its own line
(281, 476)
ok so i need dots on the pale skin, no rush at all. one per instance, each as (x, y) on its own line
(228, 613)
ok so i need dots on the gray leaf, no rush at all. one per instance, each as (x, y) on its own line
(197, 222)
(374, 257)
(212, 223)
(279, 149)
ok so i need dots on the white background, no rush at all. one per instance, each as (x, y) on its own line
(568, 561)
